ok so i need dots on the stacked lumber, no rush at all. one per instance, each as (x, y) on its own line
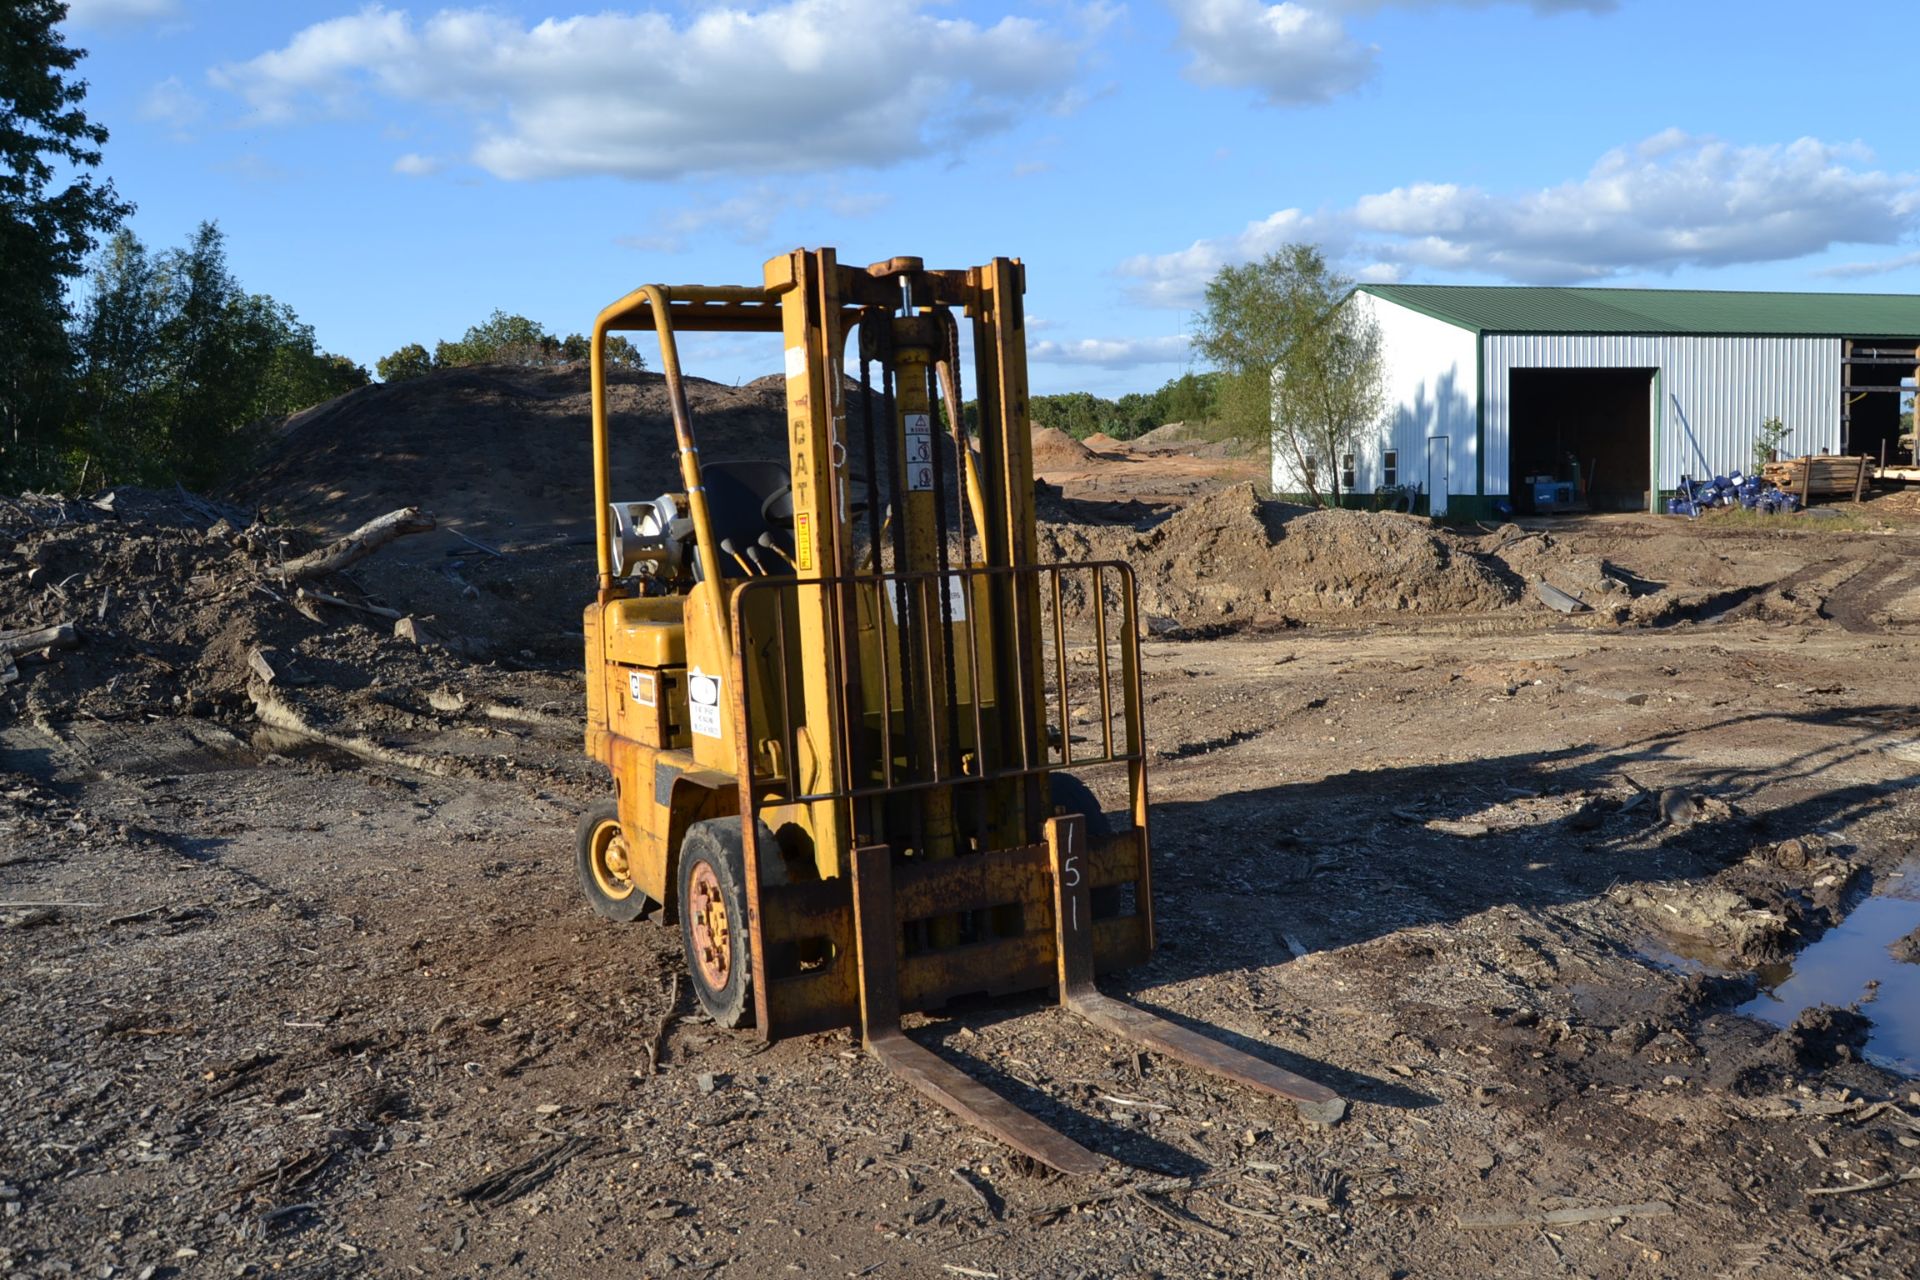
(1819, 476)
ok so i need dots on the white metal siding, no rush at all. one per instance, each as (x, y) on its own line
(1431, 392)
(1713, 394)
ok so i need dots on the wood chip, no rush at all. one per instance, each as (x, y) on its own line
(1562, 1217)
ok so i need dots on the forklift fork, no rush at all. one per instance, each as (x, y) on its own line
(877, 939)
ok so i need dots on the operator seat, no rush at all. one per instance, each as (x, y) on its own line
(745, 500)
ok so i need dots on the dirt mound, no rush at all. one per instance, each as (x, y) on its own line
(497, 450)
(1170, 435)
(1190, 440)
(1053, 447)
(1537, 556)
(504, 456)
(1906, 949)
(1231, 556)
(1101, 442)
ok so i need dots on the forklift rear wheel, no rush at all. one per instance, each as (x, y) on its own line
(601, 861)
(713, 920)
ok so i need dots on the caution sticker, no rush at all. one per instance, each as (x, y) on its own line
(703, 703)
(640, 687)
(803, 539)
(919, 452)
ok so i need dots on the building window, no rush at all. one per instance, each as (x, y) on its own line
(1390, 464)
(1313, 471)
(1346, 472)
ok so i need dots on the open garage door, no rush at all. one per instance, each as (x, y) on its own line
(1582, 439)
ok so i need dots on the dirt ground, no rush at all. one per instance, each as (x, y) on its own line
(1499, 875)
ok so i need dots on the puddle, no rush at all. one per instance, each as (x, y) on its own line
(1836, 969)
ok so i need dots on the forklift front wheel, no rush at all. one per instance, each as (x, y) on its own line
(601, 861)
(713, 920)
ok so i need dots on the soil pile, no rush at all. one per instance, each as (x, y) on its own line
(502, 455)
(498, 451)
(1054, 449)
(1231, 556)
(1537, 556)
(1188, 440)
(1906, 949)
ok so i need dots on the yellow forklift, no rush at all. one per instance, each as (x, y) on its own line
(840, 698)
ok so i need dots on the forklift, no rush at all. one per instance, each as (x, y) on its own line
(846, 710)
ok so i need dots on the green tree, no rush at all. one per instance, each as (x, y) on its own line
(409, 361)
(177, 360)
(576, 348)
(1303, 369)
(1766, 445)
(500, 339)
(622, 354)
(51, 211)
(121, 363)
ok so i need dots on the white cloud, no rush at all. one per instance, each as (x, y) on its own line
(415, 165)
(1674, 200)
(1299, 52)
(790, 87)
(748, 217)
(1176, 279)
(111, 13)
(1291, 53)
(172, 104)
(1112, 353)
(1878, 267)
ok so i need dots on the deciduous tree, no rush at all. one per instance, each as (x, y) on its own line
(1304, 367)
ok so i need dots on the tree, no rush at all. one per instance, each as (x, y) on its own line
(409, 361)
(177, 359)
(51, 211)
(1303, 367)
(500, 339)
(622, 354)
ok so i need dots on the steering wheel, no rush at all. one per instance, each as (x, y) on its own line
(777, 510)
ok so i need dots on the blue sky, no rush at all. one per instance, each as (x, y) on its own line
(395, 172)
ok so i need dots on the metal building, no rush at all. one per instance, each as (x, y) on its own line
(1546, 398)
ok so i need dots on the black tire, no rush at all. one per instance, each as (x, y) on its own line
(611, 896)
(715, 846)
(1069, 793)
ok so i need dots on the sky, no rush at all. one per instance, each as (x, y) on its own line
(397, 172)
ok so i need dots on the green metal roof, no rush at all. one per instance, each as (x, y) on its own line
(1516, 309)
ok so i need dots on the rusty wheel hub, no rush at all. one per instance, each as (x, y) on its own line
(712, 932)
(611, 871)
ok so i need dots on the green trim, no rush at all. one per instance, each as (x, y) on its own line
(1469, 506)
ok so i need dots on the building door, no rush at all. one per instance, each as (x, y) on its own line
(1439, 477)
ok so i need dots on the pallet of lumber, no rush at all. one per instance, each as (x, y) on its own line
(1820, 476)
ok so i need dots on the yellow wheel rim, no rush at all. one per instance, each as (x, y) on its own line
(608, 856)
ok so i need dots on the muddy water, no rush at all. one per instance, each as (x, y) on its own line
(1838, 967)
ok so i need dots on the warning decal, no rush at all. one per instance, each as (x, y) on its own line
(640, 687)
(803, 539)
(703, 703)
(919, 452)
